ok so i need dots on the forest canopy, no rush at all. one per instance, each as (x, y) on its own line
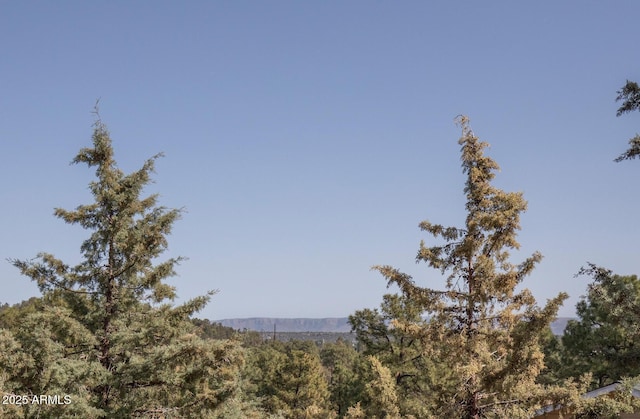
(105, 338)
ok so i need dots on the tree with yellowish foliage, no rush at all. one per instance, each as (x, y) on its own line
(482, 326)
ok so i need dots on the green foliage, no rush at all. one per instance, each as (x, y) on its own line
(630, 95)
(374, 333)
(288, 379)
(105, 331)
(12, 316)
(41, 358)
(380, 398)
(552, 348)
(418, 378)
(605, 340)
(342, 365)
(481, 327)
(209, 330)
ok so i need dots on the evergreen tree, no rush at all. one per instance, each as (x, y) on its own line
(418, 379)
(342, 362)
(289, 380)
(11, 316)
(480, 327)
(43, 355)
(605, 340)
(208, 330)
(111, 337)
(380, 398)
(553, 372)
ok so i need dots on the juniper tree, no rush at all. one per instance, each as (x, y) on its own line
(480, 326)
(151, 362)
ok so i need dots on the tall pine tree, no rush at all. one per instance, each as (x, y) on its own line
(135, 354)
(480, 327)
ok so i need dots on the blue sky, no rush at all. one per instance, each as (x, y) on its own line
(307, 140)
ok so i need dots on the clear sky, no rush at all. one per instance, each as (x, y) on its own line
(307, 140)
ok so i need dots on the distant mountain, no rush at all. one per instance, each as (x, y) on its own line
(332, 324)
(265, 324)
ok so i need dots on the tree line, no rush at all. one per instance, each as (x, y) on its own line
(106, 340)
